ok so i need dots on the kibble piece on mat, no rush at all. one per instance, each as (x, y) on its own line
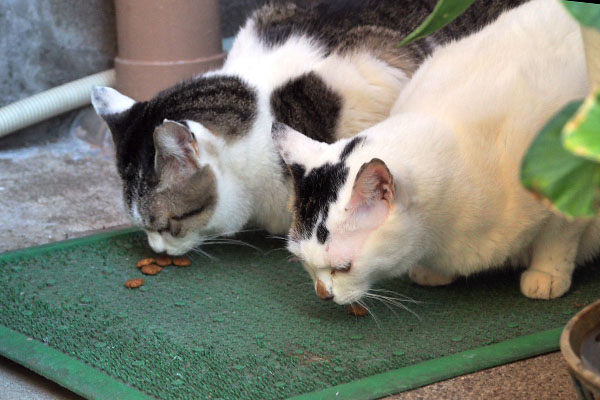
(163, 261)
(151, 269)
(357, 309)
(181, 262)
(145, 261)
(134, 283)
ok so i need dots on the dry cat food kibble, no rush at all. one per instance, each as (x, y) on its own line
(357, 309)
(145, 261)
(163, 261)
(181, 262)
(134, 283)
(151, 269)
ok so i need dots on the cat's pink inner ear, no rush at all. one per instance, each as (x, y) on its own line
(373, 183)
(173, 139)
(175, 148)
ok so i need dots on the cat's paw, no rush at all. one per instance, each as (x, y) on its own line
(427, 277)
(542, 285)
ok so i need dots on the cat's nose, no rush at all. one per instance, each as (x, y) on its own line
(322, 291)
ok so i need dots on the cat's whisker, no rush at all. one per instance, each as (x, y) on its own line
(204, 253)
(233, 242)
(405, 297)
(277, 237)
(273, 250)
(385, 303)
(393, 301)
(248, 230)
(290, 258)
(363, 303)
(219, 235)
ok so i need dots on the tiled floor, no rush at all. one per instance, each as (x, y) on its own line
(61, 186)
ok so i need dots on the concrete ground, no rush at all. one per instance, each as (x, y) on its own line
(64, 184)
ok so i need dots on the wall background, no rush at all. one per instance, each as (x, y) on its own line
(45, 43)
(49, 42)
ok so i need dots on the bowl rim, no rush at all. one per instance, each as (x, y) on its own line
(589, 377)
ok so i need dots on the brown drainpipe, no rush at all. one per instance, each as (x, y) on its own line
(162, 42)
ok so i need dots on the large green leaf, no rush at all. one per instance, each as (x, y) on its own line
(587, 14)
(570, 183)
(581, 135)
(443, 13)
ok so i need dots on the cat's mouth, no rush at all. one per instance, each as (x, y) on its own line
(327, 293)
(355, 306)
(346, 301)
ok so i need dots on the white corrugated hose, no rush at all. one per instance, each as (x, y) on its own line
(52, 102)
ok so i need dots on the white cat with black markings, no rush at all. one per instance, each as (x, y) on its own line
(197, 160)
(435, 189)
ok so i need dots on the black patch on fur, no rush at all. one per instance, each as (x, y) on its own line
(224, 104)
(284, 169)
(309, 106)
(316, 191)
(477, 16)
(345, 25)
(322, 231)
(349, 148)
(329, 21)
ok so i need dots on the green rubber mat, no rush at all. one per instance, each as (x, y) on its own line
(247, 325)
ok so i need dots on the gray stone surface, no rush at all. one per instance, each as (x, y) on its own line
(49, 42)
(45, 43)
(541, 378)
(18, 383)
(50, 192)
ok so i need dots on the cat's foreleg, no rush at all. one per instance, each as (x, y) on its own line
(429, 277)
(552, 259)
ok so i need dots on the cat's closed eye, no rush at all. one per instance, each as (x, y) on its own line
(342, 267)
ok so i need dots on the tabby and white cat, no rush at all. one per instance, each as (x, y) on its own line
(435, 189)
(198, 160)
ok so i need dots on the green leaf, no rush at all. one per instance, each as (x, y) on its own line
(443, 13)
(569, 183)
(586, 13)
(581, 135)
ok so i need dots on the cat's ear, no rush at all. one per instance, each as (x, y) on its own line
(113, 107)
(373, 193)
(294, 147)
(373, 182)
(176, 149)
(108, 102)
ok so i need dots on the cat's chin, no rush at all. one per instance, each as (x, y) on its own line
(178, 252)
(348, 299)
(172, 251)
(171, 247)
